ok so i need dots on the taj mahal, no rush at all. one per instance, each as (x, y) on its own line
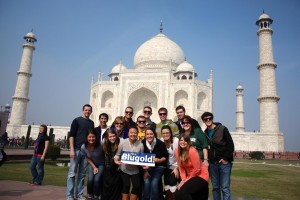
(161, 76)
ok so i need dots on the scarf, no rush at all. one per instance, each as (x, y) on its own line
(151, 146)
(37, 142)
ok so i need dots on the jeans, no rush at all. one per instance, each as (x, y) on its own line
(78, 162)
(94, 180)
(220, 179)
(37, 175)
(151, 184)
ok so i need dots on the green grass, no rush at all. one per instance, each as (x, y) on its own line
(258, 179)
(250, 179)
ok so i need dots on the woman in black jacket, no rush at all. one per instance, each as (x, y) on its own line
(153, 175)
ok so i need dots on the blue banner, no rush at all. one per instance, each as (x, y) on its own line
(134, 158)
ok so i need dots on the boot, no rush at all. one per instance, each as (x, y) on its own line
(169, 195)
(125, 196)
(133, 197)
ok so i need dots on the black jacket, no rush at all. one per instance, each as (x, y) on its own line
(221, 145)
(159, 149)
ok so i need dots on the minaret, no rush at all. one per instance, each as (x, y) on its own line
(268, 98)
(20, 99)
(240, 124)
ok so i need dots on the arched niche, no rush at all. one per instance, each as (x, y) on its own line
(201, 99)
(107, 99)
(181, 98)
(140, 98)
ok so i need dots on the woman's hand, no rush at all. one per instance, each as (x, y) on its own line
(146, 174)
(118, 162)
(180, 184)
(176, 172)
(205, 162)
(96, 170)
(223, 161)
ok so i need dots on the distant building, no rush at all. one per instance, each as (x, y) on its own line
(4, 115)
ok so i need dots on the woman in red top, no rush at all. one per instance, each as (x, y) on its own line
(194, 174)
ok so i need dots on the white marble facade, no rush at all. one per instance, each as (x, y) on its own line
(161, 77)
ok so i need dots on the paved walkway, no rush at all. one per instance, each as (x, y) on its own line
(15, 190)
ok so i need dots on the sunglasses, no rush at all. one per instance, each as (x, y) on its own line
(207, 119)
(162, 114)
(147, 112)
(118, 123)
(142, 122)
(128, 112)
(186, 123)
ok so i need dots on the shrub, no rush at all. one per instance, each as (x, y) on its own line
(53, 152)
(257, 155)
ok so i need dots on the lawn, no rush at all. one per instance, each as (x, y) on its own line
(268, 179)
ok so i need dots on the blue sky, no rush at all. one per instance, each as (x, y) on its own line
(77, 39)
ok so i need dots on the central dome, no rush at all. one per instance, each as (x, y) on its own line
(158, 52)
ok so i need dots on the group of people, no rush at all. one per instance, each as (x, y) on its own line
(185, 157)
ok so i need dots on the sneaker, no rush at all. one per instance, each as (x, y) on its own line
(81, 198)
(70, 198)
(89, 196)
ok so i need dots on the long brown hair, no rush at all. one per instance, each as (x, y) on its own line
(183, 154)
(107, 145)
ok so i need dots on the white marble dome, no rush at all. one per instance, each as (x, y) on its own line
(185, 67)
(118, 68)
(158, 50)
(264, 16)
(30, 35)
(239, 87)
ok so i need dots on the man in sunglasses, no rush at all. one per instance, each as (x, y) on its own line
(128, 118)
(147, 114)
(141, 125)
(163, 114)
(220, 156)
(180, 111)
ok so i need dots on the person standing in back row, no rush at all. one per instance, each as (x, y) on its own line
(79, 129)
(180, 112)
(220, 156)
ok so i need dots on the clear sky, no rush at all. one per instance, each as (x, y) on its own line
(77, 39)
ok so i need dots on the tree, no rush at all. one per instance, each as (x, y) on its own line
(27, 137)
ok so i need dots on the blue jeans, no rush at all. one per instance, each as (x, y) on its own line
(220, 179)
(94, 181)
(78, 162)
(37, 175)
(151, 184)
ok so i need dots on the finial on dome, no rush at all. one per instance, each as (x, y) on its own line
(263, 10)
(161, 26)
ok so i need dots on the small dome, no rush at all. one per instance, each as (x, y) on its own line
(159, 49)
(239, 87)
(185, 67)
(30, 35)
(264, 16)
(118, 68)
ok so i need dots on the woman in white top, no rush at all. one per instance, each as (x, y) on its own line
(130, 174)
(171, 174)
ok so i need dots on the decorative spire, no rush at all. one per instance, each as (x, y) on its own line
(161, 26)
(263, 10)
